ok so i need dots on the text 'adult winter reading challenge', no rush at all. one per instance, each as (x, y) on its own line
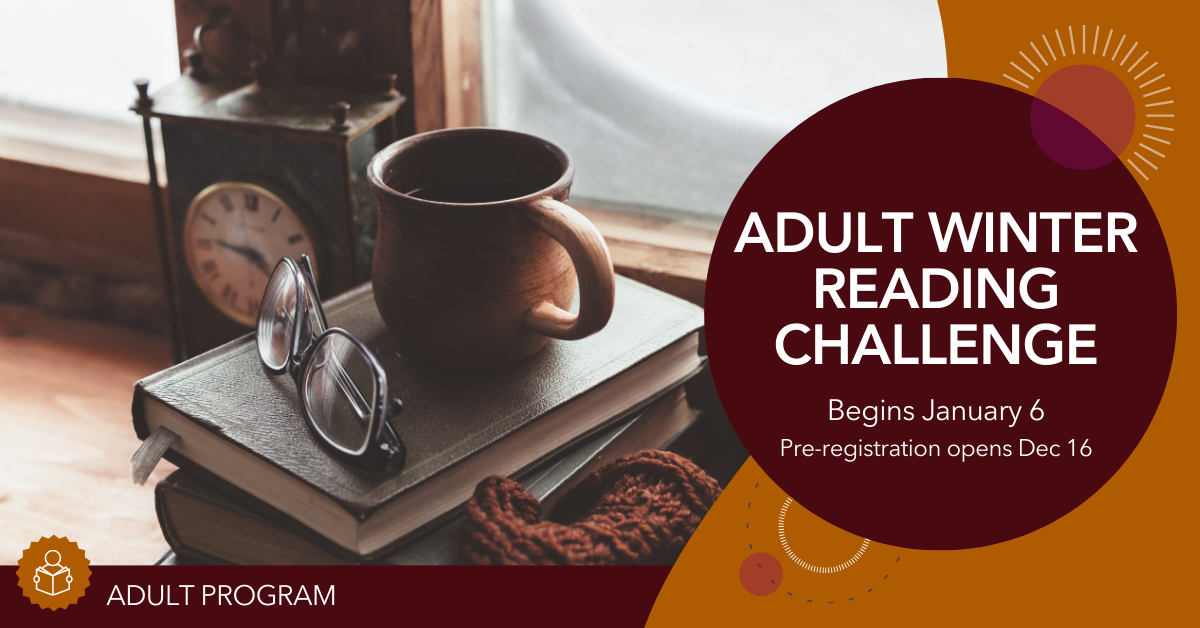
(971, 288)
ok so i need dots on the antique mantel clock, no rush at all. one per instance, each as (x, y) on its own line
(260, 165)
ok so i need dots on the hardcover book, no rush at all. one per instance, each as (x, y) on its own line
(205, 519)
(244, 426)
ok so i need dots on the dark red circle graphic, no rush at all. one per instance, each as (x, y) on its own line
(1039, 356)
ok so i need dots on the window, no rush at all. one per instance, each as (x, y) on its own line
(81, 56)
(66, 109)
(76, 236)
(671, 103)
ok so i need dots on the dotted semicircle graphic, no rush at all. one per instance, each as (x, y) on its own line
(792, 553)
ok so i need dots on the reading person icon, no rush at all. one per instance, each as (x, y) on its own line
(53, 578)
(54, 572)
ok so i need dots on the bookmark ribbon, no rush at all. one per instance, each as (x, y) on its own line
(143, 461)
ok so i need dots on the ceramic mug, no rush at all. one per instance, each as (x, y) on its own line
(477, 254)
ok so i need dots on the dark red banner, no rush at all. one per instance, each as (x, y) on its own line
(202, 595)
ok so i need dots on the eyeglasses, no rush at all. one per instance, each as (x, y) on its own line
(343, 389)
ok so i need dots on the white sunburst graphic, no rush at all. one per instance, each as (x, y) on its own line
(1155, 114)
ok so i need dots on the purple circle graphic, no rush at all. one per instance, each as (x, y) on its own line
(1082, 117)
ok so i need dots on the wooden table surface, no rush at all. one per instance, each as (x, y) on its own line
(66, 437)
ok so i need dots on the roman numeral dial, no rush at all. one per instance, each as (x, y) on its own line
(233, 236)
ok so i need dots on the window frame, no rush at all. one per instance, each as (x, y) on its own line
(75, 197)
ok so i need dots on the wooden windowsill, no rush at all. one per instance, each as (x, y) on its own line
(75, 144)
(76, 197)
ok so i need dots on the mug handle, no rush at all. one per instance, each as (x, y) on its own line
(593, 266)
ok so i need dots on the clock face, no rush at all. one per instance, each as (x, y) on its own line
(233, 235)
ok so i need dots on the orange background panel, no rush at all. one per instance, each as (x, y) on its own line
(1124, 557)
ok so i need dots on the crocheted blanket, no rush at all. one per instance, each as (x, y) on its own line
(637, 510)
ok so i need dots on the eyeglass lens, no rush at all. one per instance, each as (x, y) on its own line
(277, 318)
(340, 392)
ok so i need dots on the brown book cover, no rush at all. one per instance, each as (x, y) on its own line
(245, 426)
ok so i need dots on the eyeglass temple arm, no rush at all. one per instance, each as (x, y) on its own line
(306, 265)
(394, 409)
(391, 410)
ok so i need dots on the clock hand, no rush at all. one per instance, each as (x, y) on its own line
(250, 254)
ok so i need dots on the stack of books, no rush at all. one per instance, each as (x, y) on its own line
(254, 486)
